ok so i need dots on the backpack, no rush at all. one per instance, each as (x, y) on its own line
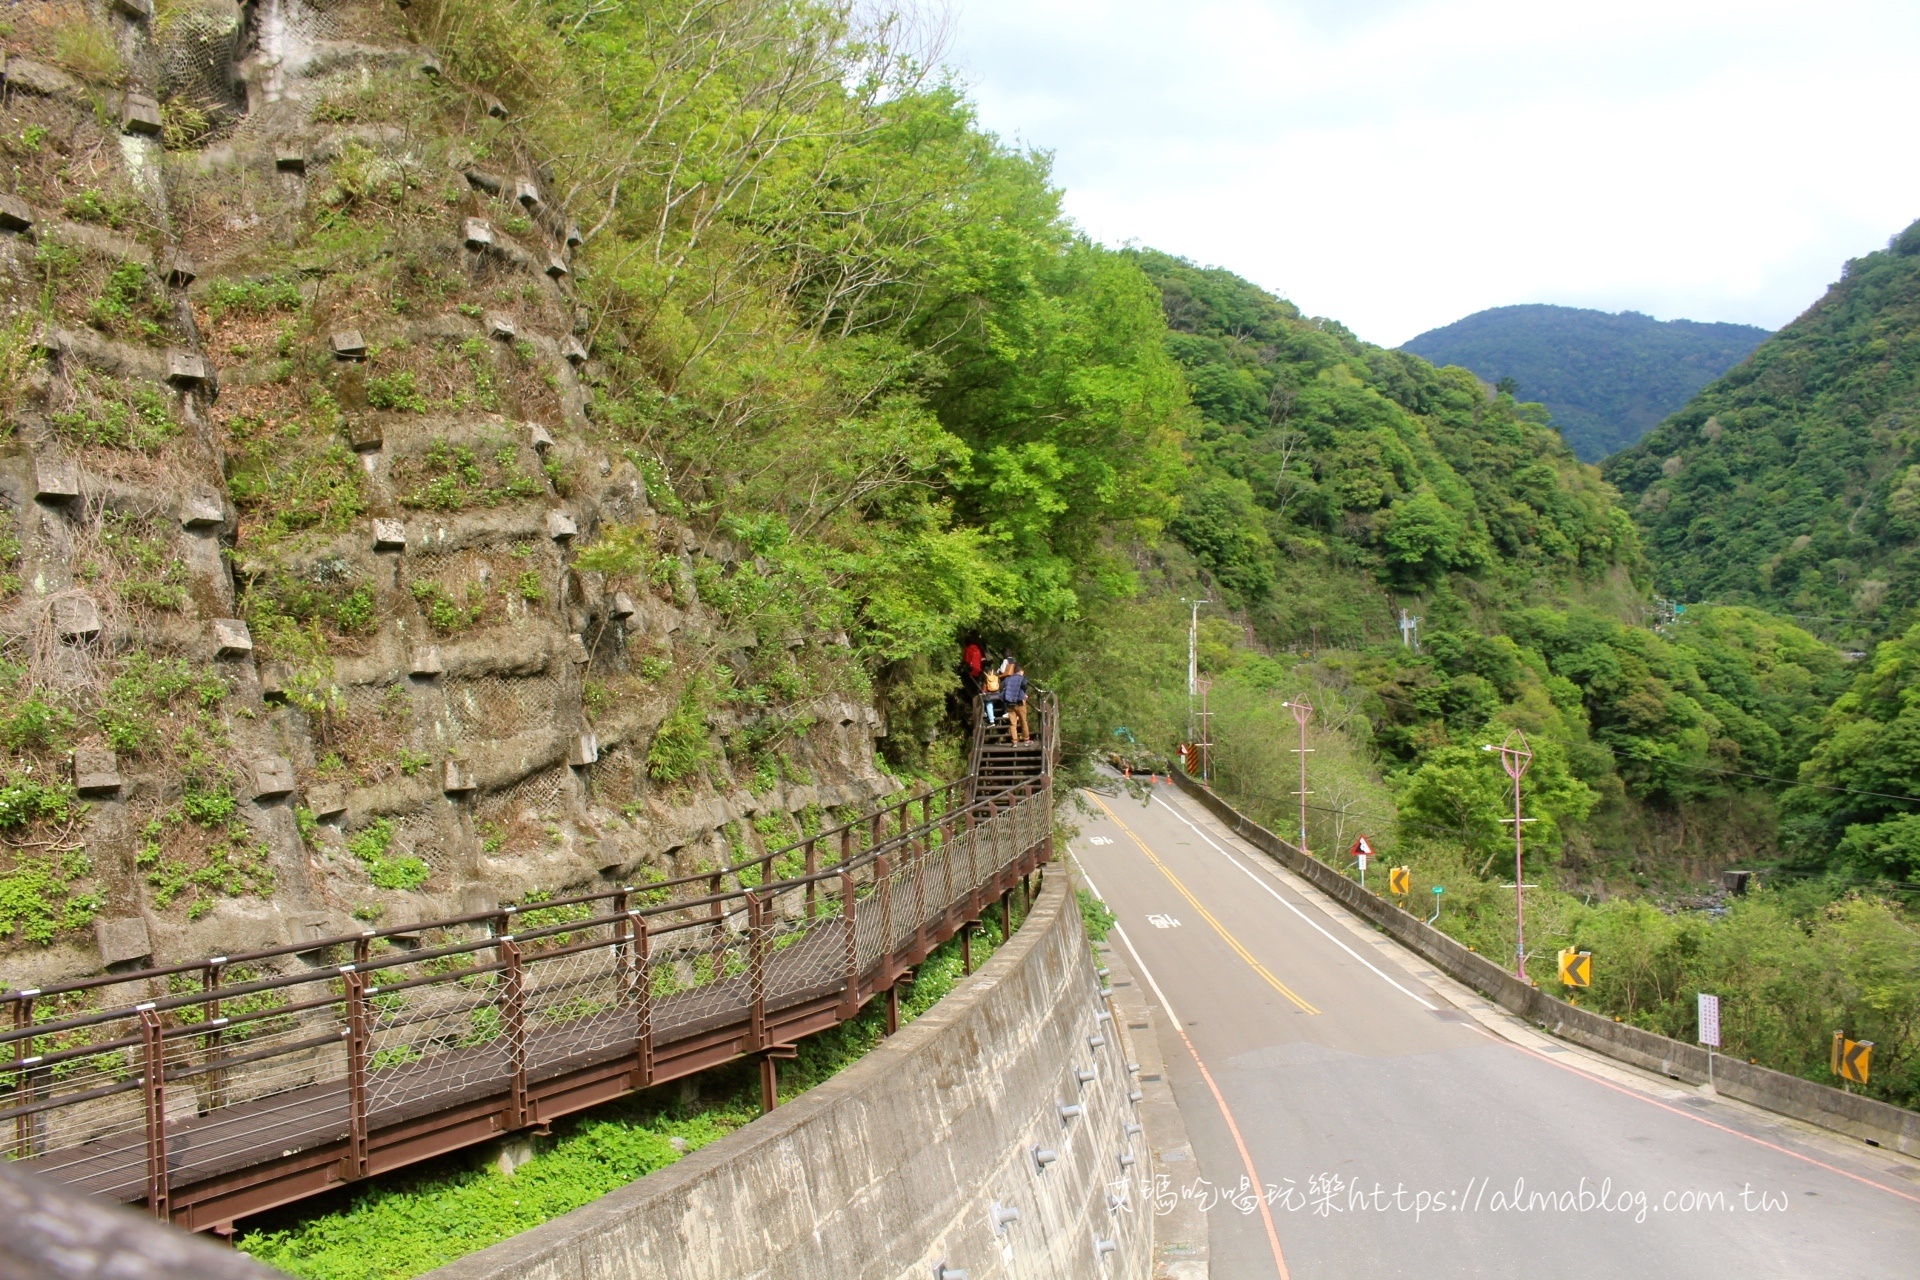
(993, 682)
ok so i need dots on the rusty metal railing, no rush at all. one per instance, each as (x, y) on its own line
(225, 1086)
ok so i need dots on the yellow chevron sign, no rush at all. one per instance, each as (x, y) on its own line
(1852, 1060)
(1576, 968)
(1400, 880)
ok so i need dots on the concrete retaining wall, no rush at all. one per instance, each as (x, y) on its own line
(1865, 1118)
(895, 1164)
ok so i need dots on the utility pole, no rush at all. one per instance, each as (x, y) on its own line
(1515, 756)
(1302, 712)
(1410, 631)
(1193, 659)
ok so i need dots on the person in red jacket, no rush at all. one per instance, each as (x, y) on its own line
(972, 659)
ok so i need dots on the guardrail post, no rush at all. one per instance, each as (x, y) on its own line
(215, 1044)
(23, 1078)
(357, 1038)
(883, 873)
(813, 865)
(756, 973)
(153, 1083)
(516, 1018)
(920, 946)
(622, 960)
(846, 843)
(643, 1002)
(714, 909)
(850, 1003)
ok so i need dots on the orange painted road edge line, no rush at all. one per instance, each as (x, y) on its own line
(1226, 1112)
(1688, 1115)
(1655, 1102)
(1218, 928)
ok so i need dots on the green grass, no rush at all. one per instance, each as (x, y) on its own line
(402, 1225)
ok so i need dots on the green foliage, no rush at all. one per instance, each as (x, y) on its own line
(1850, 809)
(146, 689)
(38, 899)
(453, 477)
(25, 800)
(1606, 379)
(140, 420)
(683, 741)
(35, 724)
(446, 613)
(1094, 915)
(115, 211)
(128, 303)
(251, 297)
(1788, 483)
(290, 478)
(372, 845)
(1319, 450)
(397, 391)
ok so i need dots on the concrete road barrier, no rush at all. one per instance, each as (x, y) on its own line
(910, 1158)
(1865, 1118)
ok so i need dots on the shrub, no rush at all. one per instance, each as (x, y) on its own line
(372, 845)
(35, 723)
(396, 391)
(87, 51)
(36, 903)
(25, 800)
(253, 296)
(142, 422)
(682, 743)
(89, 205)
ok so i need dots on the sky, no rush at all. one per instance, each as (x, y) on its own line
(1399, 164)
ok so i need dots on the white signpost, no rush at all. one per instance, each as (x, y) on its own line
(1709, 1029)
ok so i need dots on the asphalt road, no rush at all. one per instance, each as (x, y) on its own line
(1403, 1126)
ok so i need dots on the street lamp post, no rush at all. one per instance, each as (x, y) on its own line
(1302, 712)
(1515, 756)
(1193, 660)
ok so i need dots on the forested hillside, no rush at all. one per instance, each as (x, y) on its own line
(1333, 483)
(1320, 455)
(1791, 483)
(1607, 379)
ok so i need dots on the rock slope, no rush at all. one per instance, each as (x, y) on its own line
(328, 602)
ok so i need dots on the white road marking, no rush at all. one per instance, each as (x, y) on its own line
(1163, 922)
(1250, 874)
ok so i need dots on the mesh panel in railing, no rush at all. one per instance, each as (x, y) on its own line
(698, 978)
(443, 1038)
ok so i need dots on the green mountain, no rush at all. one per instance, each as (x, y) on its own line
(1606, 379)
(1320, 456)
(1790, 483)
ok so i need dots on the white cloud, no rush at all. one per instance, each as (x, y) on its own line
(1397, 164)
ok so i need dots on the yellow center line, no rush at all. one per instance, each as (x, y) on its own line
(1205, 914)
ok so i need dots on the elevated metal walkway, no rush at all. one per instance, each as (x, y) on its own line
(220, 1088)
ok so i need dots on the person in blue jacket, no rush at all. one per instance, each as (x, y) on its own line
(1013, 692)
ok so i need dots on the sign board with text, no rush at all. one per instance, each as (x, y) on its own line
(1709, 1019)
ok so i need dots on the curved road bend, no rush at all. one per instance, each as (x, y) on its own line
(1394, 1114)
